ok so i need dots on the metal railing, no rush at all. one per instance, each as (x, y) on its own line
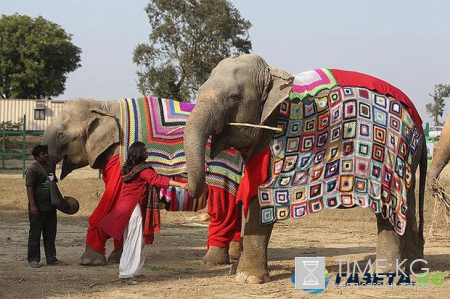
(22, 154)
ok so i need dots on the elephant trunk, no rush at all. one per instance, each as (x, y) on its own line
(200, 125)
(49, 139)
(436, 170)
(441, 156)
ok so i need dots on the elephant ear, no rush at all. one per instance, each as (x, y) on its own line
(102, 132)
(278, 90)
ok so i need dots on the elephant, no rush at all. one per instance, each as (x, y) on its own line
(310, 141)
(95, 133)
(441, 156)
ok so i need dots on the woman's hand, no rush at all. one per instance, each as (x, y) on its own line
(178, 184)
(184, 186)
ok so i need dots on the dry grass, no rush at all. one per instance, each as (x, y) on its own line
(441, 207)
(172, 267)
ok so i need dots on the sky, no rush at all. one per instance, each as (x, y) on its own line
(404, 42)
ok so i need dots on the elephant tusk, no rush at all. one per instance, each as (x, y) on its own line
(256, 126)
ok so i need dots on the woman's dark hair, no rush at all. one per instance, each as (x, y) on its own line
(135, 156)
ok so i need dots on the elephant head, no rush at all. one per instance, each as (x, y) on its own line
(242, 89)
(85, 132)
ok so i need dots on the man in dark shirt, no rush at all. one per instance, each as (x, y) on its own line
(42, 214)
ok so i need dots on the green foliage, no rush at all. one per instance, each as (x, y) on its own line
(188, 39)
(11, 126)
(35, 57)
(436, 109)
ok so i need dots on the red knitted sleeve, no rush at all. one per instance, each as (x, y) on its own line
(154, 179)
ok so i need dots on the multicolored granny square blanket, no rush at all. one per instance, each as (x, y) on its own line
(340, 146)
(159, 123)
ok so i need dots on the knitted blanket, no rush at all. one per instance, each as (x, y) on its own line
(341, 146)
(159, 124)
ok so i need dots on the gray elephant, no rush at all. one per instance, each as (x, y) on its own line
(441, 156)
(97, 133)
(339, 139)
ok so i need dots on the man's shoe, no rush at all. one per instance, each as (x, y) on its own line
(35, 264)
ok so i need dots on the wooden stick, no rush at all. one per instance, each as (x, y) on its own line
(174, 130)
(236, 124)
(256, 126)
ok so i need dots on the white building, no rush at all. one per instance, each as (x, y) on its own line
(39, 113)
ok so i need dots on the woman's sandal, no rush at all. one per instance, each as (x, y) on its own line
(129, 280)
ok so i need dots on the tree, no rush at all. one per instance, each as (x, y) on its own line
(188, 39)
(35, 57)
(435, 109)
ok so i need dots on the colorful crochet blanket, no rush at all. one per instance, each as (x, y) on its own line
(159, 123)
(341, 146)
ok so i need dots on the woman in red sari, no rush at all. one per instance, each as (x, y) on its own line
(134, 203)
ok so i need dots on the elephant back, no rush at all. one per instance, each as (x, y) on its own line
(348, 139)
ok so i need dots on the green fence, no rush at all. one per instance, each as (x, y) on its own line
(18, 155)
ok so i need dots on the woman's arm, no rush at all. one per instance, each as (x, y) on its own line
(178, 184)
(160, 181)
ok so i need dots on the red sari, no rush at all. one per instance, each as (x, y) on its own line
(135, 190)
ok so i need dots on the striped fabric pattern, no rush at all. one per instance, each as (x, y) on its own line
(159, 123)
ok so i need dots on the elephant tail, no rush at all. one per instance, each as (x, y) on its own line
(422, 184)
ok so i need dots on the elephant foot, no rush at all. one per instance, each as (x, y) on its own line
(233, 268)
(413, 247)
(389, 247)
(415, 266)
(234, 251)
(90, 257)
(114, 257)
(216, 256)
(252, 279)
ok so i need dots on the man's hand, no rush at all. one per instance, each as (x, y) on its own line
(33, 210)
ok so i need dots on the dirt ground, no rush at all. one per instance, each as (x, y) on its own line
(173, 269)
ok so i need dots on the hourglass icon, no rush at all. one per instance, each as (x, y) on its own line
(310, 279)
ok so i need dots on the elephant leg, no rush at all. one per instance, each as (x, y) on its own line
(234, 251)
(252, 266)
(114, 257)
(222, 255)
(216, 256)
(94, 254)
(90, 257)
(389, 245)
(223, 211)
(413, 243)
(235, 244)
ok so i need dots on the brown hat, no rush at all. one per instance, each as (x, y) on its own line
(69, 205)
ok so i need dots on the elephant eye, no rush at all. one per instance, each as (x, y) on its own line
(234, 100)
(234, 97)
